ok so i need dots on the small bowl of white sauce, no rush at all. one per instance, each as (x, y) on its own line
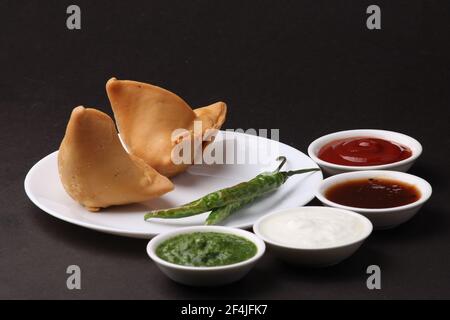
(313, 236)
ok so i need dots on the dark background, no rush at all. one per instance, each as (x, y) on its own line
(306, 67)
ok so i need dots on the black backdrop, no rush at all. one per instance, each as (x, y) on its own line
(306, 67)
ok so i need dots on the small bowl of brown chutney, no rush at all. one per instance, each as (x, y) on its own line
(386, 198)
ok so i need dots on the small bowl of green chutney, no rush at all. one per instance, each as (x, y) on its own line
(206, 255)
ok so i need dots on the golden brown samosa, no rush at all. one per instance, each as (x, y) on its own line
(147, 116)
(95, 169)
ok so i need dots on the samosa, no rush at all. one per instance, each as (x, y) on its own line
(147, 117)
(95, 169)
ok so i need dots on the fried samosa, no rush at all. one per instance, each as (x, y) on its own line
(148, 115)
(95, 169)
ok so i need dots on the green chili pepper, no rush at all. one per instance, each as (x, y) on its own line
(243, 191)
(217, 215)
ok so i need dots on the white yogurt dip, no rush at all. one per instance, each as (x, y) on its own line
(313, 228)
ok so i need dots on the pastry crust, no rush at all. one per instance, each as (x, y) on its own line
(95, 169)
(148, 115)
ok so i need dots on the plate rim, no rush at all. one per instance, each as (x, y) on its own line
(125, 232)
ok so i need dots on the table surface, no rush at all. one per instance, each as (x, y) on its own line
(305, 67)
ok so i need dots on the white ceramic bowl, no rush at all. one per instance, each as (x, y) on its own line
(331, 168)
(381, 218)
(314, 257)
(206, 276)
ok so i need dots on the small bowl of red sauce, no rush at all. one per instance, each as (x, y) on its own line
(365, 149)
(386, 198)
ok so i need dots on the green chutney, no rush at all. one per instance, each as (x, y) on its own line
(206, 249)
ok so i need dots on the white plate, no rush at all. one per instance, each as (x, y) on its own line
(44, 188)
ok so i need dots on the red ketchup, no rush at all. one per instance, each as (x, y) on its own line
(363, 151)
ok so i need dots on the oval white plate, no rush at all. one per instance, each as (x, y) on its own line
(43, 187)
